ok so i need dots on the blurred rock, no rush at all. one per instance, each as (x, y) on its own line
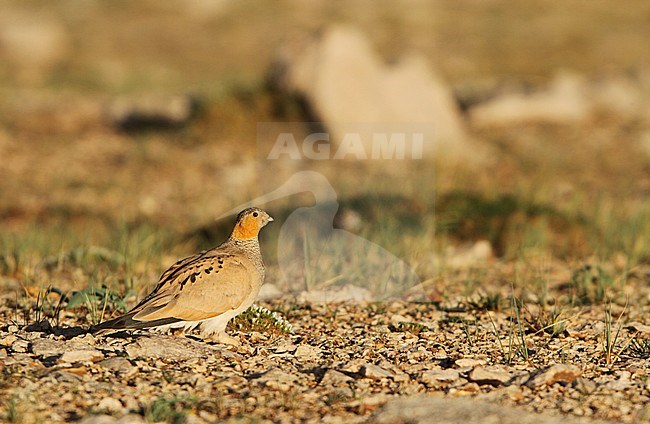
(345, 83)
(151, 112)
(644, 141)
(8, 284)
(584, 385)
(426, 409)
(348, 220)
(49, 112)
(619, 96)
(565, 101)
(107, 419)
(477, 253)
(5, 138)
(110, 404)
(32, 45)
(472, 92)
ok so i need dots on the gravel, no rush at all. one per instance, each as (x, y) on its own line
(357, 368)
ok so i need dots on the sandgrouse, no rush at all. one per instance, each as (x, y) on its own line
(205, 290)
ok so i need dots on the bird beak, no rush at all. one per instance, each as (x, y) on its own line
(271, 219)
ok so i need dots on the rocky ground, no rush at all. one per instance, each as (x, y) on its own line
(388, 362)
(127, 128)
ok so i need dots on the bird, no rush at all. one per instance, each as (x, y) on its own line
(205, 290)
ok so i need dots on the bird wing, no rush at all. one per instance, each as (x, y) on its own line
(200, 287)
(167, 278)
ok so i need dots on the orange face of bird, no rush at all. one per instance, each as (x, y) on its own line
(249, 223)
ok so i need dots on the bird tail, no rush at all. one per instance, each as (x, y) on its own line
(126, 322)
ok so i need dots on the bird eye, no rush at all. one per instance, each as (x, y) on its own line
(255, 214)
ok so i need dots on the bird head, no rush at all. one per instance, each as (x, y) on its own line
(249, 223)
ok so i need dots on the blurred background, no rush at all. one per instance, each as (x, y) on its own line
(126, 128)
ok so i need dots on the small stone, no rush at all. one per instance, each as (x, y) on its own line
(469, 362)
(440, 377)
(8, 340)
(584, 386)
(335, 378)
(401, 377)
(373, 402)
(161, 347)
(80, 371)
(513, 392)
(637, 326)
(400, 318)
(20, 346)
(67, 377)
(191, 418)
(307, 352)
(87, 338)
(467, 389)
(558, 373)
(284, 348)
(278, 380)
(98, 419)
(439, 353)
(87, 355)
(46, 348)
(118, 364)
(130, 419)
(493, 376)
(375, 372)
(623, 382)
